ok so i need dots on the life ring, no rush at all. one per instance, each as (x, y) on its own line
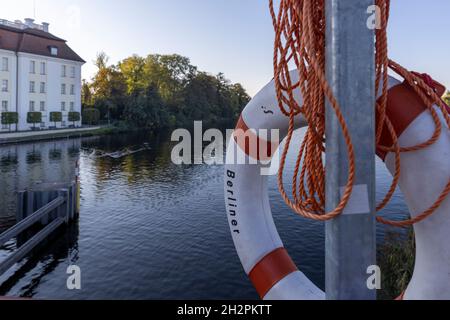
(424, 175)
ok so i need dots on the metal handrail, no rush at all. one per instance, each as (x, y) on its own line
(30, 220)
(30, 244)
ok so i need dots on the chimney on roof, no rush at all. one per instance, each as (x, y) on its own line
(45, 26)
(29, 22)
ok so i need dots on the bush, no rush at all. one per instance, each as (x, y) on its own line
(74, 117)
(91, 116)
(396, 259)
(447, 98)
(9, 118)
(34, 117)
(56, 117)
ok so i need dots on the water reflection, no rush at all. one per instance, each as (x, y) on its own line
(59, 247)
(24, 165)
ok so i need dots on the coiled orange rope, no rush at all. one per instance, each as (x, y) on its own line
(300, 41)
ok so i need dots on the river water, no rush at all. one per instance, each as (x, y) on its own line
(148, 229)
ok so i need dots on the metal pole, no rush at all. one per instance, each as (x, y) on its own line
(350, 245)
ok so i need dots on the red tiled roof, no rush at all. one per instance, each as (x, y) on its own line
(35, 42)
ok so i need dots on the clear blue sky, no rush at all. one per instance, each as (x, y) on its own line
(230, 36)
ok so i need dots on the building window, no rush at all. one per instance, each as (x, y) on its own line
(31, 106)
(43, 68)
(42, 87)
(63, 71)
(63, 123)
(32, 66)
(72, 106)
(5, 126)
(42, 124)
(32, 89)
(4, 85)
(72, 72)
(42, 106)
(5, 64)
(54, 51)
(63, 106)
(4, 106)
(63, 88)
(72, 89)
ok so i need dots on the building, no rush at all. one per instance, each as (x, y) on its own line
(39, 72)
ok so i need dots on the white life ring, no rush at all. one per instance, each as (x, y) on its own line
(264, 259)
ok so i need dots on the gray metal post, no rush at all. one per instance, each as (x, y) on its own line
(350, 245)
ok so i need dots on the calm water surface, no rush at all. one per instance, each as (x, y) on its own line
(148, 229)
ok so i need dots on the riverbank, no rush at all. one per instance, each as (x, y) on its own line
(30, 136)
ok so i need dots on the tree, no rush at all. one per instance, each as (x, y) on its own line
(108, 87)
(9, 118)
(86, 94)
(200, 98)
(33, 118)
(170, 74)
(91, 116)
(147, 110)
(132, 69)
(73, 117)
(55, 117)
(101, 60)
(159, 91)
(240, 98)
(447, 98)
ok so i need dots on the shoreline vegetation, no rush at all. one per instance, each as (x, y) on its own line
(158, 92)
(396, 257)
(447, 98)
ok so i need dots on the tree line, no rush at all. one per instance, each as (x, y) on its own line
(160, 91)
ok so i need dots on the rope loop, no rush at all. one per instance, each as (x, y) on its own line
(300, 42)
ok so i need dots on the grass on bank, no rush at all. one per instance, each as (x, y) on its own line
(396, 257)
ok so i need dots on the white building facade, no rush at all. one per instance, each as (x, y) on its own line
(38, 73)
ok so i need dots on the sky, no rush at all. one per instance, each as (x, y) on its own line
(230, 36)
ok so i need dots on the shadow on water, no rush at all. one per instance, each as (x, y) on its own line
(60, 246)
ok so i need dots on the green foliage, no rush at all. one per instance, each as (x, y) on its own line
(74, 116)
(108, 89)
(9, 118)
(56, 117)
(161, 91)
(34, 117)
(396, 260)
(147, 110)
(91, 116)
(86, 94)
(447, 98)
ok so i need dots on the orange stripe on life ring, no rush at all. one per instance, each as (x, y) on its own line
(403, 106)
(401, 297)
(270, 270)
(244, 137)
